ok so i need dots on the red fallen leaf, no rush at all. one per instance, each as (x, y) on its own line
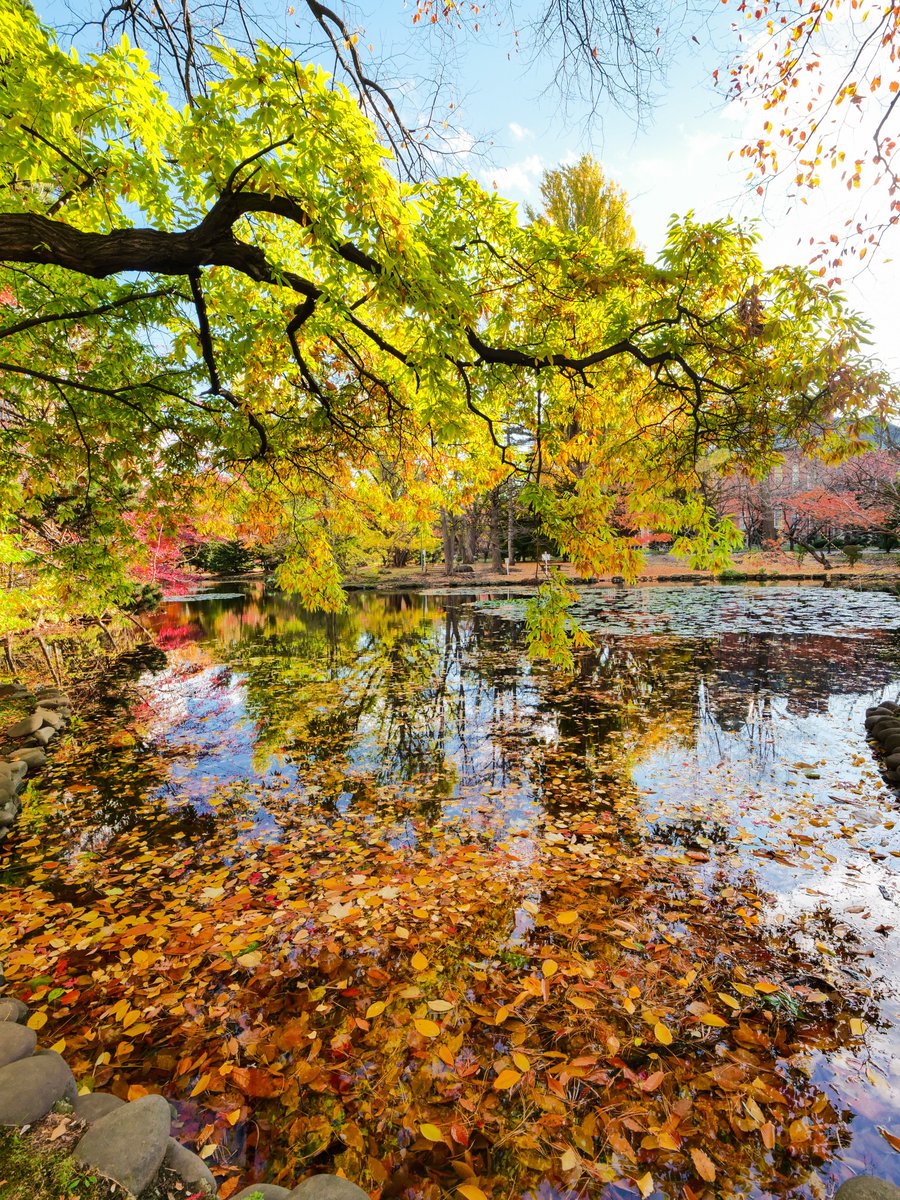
(460, 1134)
(652, 1082)
(256, 1082)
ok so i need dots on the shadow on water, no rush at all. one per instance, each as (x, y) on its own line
(699, 799)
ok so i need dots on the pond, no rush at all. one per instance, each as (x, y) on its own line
(371, 892)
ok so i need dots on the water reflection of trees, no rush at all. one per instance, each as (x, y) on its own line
(409, 688)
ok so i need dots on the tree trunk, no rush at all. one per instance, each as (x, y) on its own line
(496, 536)
(510, 530)
(447, 538)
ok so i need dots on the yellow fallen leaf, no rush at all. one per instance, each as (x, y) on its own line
(583, 1003)
(766, 987)
(549, 967)
(645, 1185)
(200, 1086)
(375, 1010)
(729, 1000)
(567, 918)
(857, 1027)
(713, 1019)
(431, 1132)
(743, 988)
(506, 1079)
(439, 1005)
(471, 1192)
(570, 1160)
(502, 1014)
(427, 1028)
(37, 1020)
(59, 1046)
(662, 1034)
(521, 1061)
(419, 961)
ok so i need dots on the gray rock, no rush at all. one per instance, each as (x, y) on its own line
(16, 1041)
(129, 1144)
(30, 1087)
(268, 1191)
(49, 717)
(22, 728)
(893, 761)
(12, 1009)
(31, 756)
(43, 735)
(327, 1187)
(8, 813)
(189, 1167)
(867, 1187)
(93, 1105)
(14, 767)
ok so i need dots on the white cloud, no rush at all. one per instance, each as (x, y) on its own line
(519, 132)
(516, 181)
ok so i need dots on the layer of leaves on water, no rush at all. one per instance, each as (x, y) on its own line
(687, 611)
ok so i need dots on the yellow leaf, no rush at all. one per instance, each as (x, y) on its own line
(766, 987)
(662, 1034)
(200, 1086)
(375, 1010)
(743, 988)
(645, 1185)
(570, 1160)
(713, 1019)
(549, 968)
(729, 1000)
(502, 1014)
(59, 1046)
(471, 1192)
(427, 1028)
(583, 1003)
(431, 1132)
(703, 1165)
(419, 961)
(37, 1020)
(439, 1005)
(857, 1027)
(506, 1079)
(521, 1061)
(567, 918)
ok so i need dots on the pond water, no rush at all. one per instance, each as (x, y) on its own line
(372, 892)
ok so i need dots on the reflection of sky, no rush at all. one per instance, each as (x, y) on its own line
(744, 740)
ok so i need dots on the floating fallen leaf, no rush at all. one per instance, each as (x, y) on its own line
(892, 1139)
(645, 1185)
(703, 1164)
(470, 1192)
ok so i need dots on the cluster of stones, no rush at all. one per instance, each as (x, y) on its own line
(29, 739)
(883, 728)
(130, 1142)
